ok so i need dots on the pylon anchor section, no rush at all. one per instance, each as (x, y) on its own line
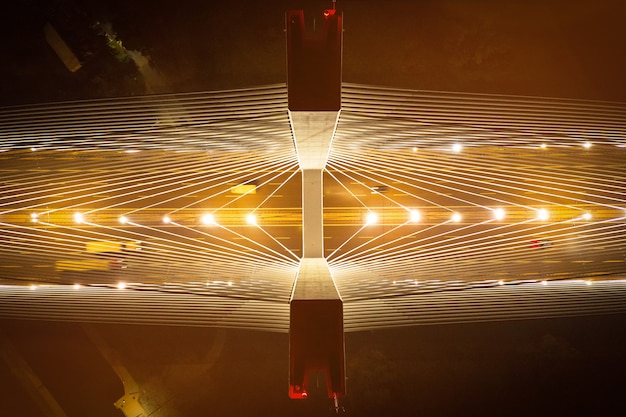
(316, 338)
(313, 132)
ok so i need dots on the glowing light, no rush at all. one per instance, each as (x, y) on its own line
(79, 217)
(589, 282)
(499, 214)
(414, 149)
(251, 219)
(167, 220)
(208, 219)
(586, 216)
(416, 216)
(131, 150)
(500, 282)
(246, 188)
(77, 286)
(33, 149)
(123, 219)
(34, 217)
(543, 214)
(543, 146)
(121, 285)
(230, 283)
(457, 147)
(587, 145)
(33, 287)
(456, 217)
(371, 218)
(544, 282)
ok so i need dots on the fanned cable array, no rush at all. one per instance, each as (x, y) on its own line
(116, 306)
(172, 192)
(572, 298)
(203, 121)
(431, 191)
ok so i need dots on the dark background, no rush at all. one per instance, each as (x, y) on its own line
(569, 366)
(556, 48)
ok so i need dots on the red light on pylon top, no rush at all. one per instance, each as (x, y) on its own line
(329, 12)
(297, 392)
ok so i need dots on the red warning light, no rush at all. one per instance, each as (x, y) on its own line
(297, 392)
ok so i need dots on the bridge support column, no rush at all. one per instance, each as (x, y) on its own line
(316, 339)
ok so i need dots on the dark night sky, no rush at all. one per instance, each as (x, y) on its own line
(557, 48)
